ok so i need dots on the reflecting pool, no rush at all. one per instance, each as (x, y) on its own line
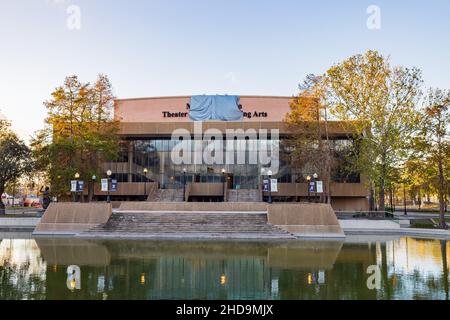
(357, 268)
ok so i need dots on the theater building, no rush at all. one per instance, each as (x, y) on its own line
(146, 170)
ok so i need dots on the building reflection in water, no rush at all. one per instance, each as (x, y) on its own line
(37, 269)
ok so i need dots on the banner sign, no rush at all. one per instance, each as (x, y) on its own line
(266, 185)
(104, 185)
(274, 185)
(319, 186)
(113, 185)
(80, 186)
(312, 187)
(73, 186)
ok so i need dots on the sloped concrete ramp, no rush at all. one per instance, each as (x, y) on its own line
(72, 218)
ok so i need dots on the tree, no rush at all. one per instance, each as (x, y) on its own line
(81, 134)
(436, 141)
(308, 124)
(382, 101)
(15, 158)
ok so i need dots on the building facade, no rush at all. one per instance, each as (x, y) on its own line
(154, 130)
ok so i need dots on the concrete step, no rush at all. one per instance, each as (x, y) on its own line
(190, 224)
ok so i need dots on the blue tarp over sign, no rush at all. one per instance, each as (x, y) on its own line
(220, 108)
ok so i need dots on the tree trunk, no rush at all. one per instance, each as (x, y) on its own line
(2, 205)
(420, 199)
(381, 195)
(441, 195)
(371, 198)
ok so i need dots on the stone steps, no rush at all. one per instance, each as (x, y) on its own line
(190, 225)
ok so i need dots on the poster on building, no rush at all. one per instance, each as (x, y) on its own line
(274, 185)
(104, 185)
(319, 186)
(73, 186)
(113, 185)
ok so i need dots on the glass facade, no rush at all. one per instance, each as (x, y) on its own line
(155, 156)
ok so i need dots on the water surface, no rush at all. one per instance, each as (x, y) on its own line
(51, 269)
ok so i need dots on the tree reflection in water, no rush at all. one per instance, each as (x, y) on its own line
(410, 269)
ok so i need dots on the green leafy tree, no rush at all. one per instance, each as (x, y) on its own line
(15, 158)
(382, 100)
(435, 142)
(81, 133)
(310, 145)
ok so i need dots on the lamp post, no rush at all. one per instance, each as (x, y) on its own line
(77, 176)
(315, 176)
(145, 182)
(308, 179)
(109, 174)
(94, 179)
(184, 183)
(223, 181)
(269, 173)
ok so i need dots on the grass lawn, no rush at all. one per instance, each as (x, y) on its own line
(425, 224)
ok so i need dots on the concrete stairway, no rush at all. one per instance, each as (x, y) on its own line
(244, 195)
(167, 195)
(189, 225)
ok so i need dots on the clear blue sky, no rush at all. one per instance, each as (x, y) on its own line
(184, 47)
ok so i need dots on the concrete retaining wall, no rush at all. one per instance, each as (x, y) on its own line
(71, 218)
(305, 219)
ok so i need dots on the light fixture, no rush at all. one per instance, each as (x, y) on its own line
(73, 284)
(142, 279)
(269, 173)
(145, 170)
(308, 178)
(184, 170)
(310, 278)
(223, 279)
(77, 175)
(94, 177)
(223, 171)
(109, 173)
(315, 175)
